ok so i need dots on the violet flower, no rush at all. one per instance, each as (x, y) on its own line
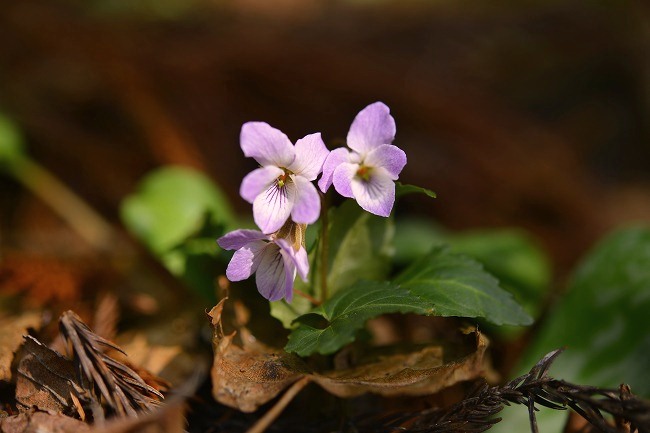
(281, 187)
(274, 260)
(368, 172)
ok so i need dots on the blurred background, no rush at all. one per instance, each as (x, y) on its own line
(531, 115)
(517, 114)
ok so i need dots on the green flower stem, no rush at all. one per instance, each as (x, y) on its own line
(81, 217)
(324, 243)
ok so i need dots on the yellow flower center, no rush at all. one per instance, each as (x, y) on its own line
(284, 178)
(364, 172)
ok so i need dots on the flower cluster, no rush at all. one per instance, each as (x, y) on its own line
(285, 200)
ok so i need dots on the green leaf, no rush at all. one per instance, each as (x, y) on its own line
(11, 142)
(178, 213)
(171, 204)
(603, 318)
(442, 283)
(511, 255)
(402, 189)
(360, 247)
(347, 313)
(287, 313)
(414, 237)
(456, 285)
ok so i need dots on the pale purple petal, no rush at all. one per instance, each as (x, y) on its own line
(269, 146)
(376, 195)
(390, 157)
(245, 261)
(299, 258)
(272, 207)
(302, 263)
(371, 128)
(272, 276)
(238, 238)
(257, 181)
(334, 159)
(310, 156)
(343, 176)
(306, 207)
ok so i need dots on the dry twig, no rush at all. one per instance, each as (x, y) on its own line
(476, 413)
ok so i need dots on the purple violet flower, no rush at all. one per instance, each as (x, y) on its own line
(274, 260)
(368, 172)
(281, 187)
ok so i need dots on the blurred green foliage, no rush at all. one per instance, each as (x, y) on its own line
(603, 323)
(11, 143)
(603, 318)
(178, 213)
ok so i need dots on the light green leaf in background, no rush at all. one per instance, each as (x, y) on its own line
(178, 213)
(171, 204)
(11, 143)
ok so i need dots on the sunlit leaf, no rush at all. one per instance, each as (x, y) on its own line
(171, 204)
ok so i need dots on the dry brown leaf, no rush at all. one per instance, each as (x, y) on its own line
(46, 380)
(245, 378)
(11, 338)
(422, 372)
(41, 422)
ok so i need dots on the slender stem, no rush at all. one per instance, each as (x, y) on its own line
(81, 217)
(270, 416)
(324, 240)
(310, 298)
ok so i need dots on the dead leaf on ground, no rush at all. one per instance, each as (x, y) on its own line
(11, 338)
(46, 380)
(245, 378)
(422, 372)
(36, 422)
